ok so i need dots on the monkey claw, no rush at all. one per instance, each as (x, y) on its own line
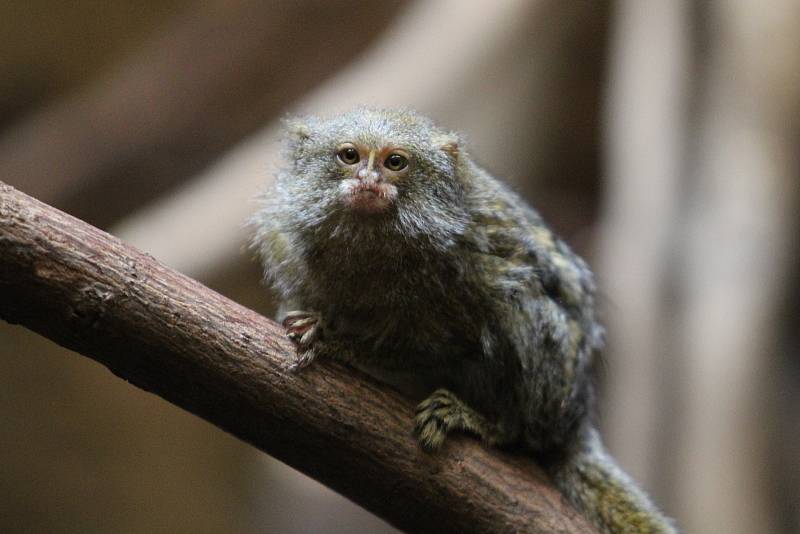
(302, 327)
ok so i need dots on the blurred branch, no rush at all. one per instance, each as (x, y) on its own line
(168, 334)
(203, 83)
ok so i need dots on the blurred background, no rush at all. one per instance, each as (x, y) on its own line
(659, 137)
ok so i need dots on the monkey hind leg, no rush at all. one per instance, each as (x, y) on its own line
(444, 412)
(605, 494)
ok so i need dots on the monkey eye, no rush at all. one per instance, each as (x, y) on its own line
(348, 155)
(396, 162)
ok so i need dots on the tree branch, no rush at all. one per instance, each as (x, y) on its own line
(170, 335)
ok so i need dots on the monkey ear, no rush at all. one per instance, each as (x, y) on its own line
(450, 143)
(297, 128)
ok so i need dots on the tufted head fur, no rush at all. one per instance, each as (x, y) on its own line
(419, 201)
(362, 209)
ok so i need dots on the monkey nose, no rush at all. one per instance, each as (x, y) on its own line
(367, 175)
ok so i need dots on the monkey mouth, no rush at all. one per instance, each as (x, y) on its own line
(369, 197)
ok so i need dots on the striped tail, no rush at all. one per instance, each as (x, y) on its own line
(605, 494)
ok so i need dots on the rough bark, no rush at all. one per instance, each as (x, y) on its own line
(170, 335)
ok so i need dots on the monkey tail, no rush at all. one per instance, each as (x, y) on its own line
(605, 494)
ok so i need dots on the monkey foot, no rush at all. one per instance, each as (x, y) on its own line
(436, 416)
(443, 412)
(302, 327)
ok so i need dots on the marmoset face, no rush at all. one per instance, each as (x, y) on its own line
(376, 163)
(371, 175)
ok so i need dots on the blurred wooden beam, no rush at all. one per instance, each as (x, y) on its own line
(204, 82)
(646, 126)
(168, 334)
(737, 245)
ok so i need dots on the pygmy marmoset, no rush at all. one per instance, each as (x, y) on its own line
(398, 254)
